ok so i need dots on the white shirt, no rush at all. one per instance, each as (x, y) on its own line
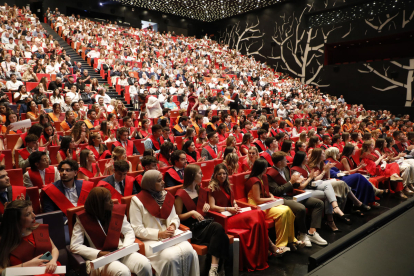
(73, 96)
(52, 69)
(118, 186)
(71, 194)
(13, 85)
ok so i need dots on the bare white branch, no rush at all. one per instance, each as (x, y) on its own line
(382, 25)
(405, 22)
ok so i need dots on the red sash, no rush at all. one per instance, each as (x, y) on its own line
(26, 251)
(400, 146)
(139, 179)
(174, 174)
(37, 179)
(189, 203)
(245, 131)
(163, 159)
(129, 186)
(162, 139)
(102, 241)
(87, 172)
(248, 185)
(63, 155)
(260, 144)
(302, 171)
(16, 192)
(275, 175)
(24, 153)
(96, 153)
(61, 200)
(129, 149)
(152, 206)
(273, 132)
(222, 198)
(239, 137)
(267, 156)
(211, 151)
(351, 162)
(155, 142)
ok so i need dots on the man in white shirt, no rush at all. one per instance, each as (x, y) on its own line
(10, 44)
(282, 112)
(13, 71)
(39, 166)
(13, 84)
(173, 89)
(73, 94)
(94, 54)
(52, 68)
(7, 63)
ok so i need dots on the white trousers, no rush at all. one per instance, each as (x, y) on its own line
(132, 263)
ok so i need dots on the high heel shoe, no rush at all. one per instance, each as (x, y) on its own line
(362, 208)
(277, 251)
(329, 224)
(395, 177)
(343, 218)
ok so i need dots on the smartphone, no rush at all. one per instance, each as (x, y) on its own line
(46, 256)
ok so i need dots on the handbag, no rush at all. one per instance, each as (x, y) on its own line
(201, 224)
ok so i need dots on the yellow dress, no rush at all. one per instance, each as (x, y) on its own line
(284, 221)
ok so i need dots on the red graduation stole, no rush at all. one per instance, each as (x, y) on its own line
(87, 172)
(273, 132)
(16, 192)
(129, 186)
(211, 151)
(400, 146)
(162, 139)
(152, 206)
(63, 155)
(302, 171)
(129, 148)
(37, 179)
(351, 162)
(102, 241)
(25, 251)
(174, 174)
(24, 153)
(222, 198)
(189, 203)
(248, 185)
(239, 137)
(267, 156)
(155, 142)
(163, 159)
(275, 175)
(245, 131)
(139, 179)
(260, 144)
(61, 200)
(96, 153)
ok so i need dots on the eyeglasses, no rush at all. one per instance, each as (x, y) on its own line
(68, 170)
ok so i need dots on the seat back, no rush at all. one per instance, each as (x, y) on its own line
(135, 160)
(12, 140)
(53, 150)
(356, 156)
(16, 176)
(101, 164)
(127, 200)
(179, 141)
(33, 194)
(139, 144)
(207, 167)
(238, 181)
(56, 224)
(7, 156)
(95, 180)
(173, 190)
(135, 173)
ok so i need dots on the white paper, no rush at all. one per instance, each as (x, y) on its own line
(179, 236)
(270, 204)
(227, 213)
(34, 270)
(113, 256)
(302, 196)
(21, 124)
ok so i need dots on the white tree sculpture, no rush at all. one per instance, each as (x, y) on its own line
(288, 34)
(381, 24)
(243, 36)
(407, 85)
(257, 52)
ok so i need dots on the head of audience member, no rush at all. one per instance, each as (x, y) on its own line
(122, 134)
(38, 161)
(99, 204)
(179, 159)
(68, 170)
(121, 169)
(149, 162)
(213, 138)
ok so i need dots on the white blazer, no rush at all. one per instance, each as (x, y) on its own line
(90, 252)
(146, 226)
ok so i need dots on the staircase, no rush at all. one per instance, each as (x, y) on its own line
(75, 57)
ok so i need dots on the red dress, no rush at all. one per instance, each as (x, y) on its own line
(250, 227)
(191, 102)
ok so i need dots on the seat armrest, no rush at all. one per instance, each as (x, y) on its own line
(77, 262)
(243, 204)
(183, 227)
(141, 246)
(298, 191)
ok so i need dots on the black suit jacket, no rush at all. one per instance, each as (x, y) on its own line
(111, 180)
(279, 189)
(48, 204)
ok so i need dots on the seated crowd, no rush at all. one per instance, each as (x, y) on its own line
(216, 135)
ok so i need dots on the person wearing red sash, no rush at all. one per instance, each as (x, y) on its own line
(91, 122)
(221, 131)
(123, 141)
(166, 136)
(23, 240)
(36, 129)
(254, 242)
(120, 184)
(174, 176)
(260, 143)
(247, 127)
(252, 156)
(281, 184)
(191, 206)
(180, 129)
(257, 190)
(192, 154)
(8, 192)
(98, 148)
(68, 150)
(153, 218)
(326, 142)
(49, 137)
(88, 166)
(67, 192)
(211, 151)
(273, 129)
(40, 173)
(272, 146)
(155, 141)
(148, 162)
(32, 145)
(101, 223)
(237, 133)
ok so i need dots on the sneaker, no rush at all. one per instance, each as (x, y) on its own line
(213, 271)
(305, 239)
(315, 238)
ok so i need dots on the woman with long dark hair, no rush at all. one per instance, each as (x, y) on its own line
(97, 147)
(49, 137)
(246, 143)
(287, 148)
(258, 193)
(250, 226)
(164, 155)
(22, 239)
(68, 150)
(191, 209)
(192, 154)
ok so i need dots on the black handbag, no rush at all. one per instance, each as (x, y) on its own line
(201, 224)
